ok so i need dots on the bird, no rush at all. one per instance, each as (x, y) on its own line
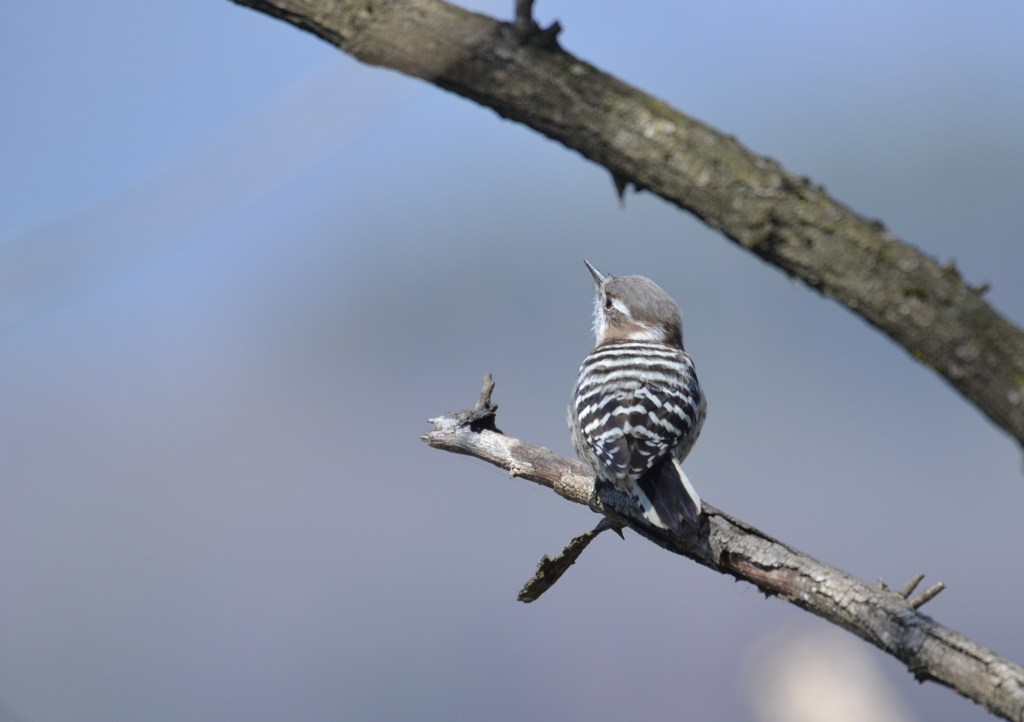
(637, 407)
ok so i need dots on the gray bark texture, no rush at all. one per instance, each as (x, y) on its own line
(520, 71)
(886, 618)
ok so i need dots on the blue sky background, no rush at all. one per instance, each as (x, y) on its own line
(238, 271)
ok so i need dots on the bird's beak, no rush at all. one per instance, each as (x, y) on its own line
(599, 278)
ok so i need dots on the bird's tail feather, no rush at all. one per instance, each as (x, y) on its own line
(671, 500)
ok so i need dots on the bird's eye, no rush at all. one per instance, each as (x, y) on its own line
(608, 302)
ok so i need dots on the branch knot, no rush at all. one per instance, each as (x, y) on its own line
(528, 32)
(480, 417)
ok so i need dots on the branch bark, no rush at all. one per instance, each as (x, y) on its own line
(521, 72)
(883, 617)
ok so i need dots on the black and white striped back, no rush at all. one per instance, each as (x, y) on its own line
(636, 412)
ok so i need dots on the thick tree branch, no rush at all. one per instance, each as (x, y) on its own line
(520, 72)
(883, 617)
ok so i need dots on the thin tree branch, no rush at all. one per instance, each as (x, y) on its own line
(874, 613)
(551, 570)
(786, 220)
(907, 589)
(529, 31)
(926, 596)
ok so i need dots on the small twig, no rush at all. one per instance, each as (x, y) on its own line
(911, 585)
(927, 595)
(621, 184)
(882, 585)
(524, 16)
(551, 570)
(485, 394)
(528, 31)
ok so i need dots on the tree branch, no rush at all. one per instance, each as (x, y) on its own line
(520, 72)
(881, 616)
(551, 570)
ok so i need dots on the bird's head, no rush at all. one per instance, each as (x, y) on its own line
(634, 308)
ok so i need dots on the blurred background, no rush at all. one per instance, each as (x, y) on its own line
(238, 271)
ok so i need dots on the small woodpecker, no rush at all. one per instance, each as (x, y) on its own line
(637, 408)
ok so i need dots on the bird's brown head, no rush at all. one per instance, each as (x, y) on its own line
(634, 308)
